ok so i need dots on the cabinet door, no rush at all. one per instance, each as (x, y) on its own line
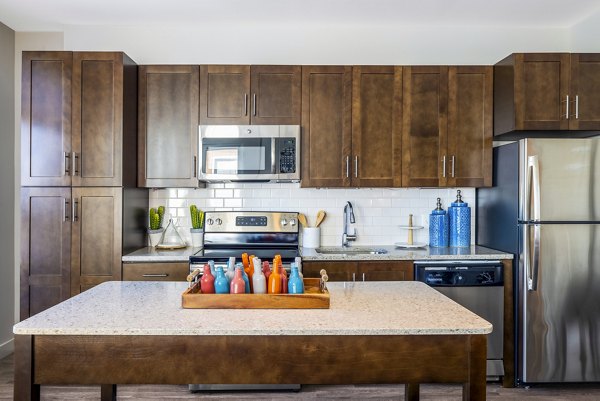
(97, 119)
(326, 123)
(224, 94)
(584, 113)
(96, 237)
(46, 119)
(45, 248)
(275, 94)
(424, 126)
(168, 126)
(155, 271)
(470, 129)
(336, 271)
(386, 271)
(541, 89)
(376, 126)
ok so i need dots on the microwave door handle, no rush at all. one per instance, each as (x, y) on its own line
(274, 166)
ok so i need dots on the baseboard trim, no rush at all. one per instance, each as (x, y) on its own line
(7, 348)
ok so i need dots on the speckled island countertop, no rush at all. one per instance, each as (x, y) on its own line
(154, 308)
(151, 254)
(393, 253)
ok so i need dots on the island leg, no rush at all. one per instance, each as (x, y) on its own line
(108, 392)
(475, 388)
(24, 388)
(411, 392)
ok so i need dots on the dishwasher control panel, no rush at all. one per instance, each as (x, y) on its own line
(463, 274)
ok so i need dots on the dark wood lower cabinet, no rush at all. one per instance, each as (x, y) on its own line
(381, 270)
(156, 271)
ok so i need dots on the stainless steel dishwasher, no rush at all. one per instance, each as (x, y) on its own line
(478, 285)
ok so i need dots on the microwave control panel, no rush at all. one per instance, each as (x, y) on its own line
(287, 155)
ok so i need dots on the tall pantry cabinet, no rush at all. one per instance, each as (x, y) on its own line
(80, 208)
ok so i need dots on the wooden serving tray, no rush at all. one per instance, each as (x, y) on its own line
(312, 298)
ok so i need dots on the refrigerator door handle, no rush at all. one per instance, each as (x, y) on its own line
(532, 186)
(532, 280)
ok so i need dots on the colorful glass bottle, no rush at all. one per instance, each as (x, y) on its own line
(230, 269)
(238, 285)
(259, 282)
(266, 270)
(298, 261)
(460, 222)
(438, 226)
(284, 279)
(211, 263)
(244, 277)
(221, 282)
(207, 281)
(274, 286)
(295, 284)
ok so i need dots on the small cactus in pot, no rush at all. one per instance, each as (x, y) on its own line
(156, 221)
(197, 217)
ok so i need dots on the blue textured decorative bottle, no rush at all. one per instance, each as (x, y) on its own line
(460, 222)
(438, 226)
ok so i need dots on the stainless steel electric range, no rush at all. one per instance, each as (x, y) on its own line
(263, 234)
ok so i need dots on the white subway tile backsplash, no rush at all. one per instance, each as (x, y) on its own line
(379, 212)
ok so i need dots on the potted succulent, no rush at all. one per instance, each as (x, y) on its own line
(197, 230)
(156, 229)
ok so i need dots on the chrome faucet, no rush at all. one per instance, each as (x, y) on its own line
(348, 212)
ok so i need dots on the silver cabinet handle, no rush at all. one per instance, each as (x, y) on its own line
(567, 111)
(356, 166)
(245, 104)
(444, 166)
(576, 107)
(363, 276)
(67, 161)
(254, 104)
(74, 212)
(155, 275)
(66, 208)
(452, 171)
(75, 163)
(195, 167)
(353, 277)
(347, 166)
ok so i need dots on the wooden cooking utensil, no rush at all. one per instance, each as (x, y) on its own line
(302, 220)
(320, 217)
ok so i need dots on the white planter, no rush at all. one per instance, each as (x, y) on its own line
(311, 237)
(197, 237)
(155, 236)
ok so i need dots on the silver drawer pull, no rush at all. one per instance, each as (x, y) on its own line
(155, 275)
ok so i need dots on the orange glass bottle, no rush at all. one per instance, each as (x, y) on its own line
(274, 286)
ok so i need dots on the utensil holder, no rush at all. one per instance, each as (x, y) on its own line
(311, 237)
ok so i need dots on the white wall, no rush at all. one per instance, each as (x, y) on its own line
(7, 183)
(585, 35)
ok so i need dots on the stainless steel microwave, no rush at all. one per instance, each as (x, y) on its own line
(249, 153)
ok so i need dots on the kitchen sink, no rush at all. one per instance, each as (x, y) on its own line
(350, 251)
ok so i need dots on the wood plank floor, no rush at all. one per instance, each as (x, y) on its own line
(370, 392)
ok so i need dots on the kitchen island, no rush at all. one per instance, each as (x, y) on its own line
(138, 333)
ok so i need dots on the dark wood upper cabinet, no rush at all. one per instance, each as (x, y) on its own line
(424, 126)
(584, 114)
(78, 123)
(46, 119)
(168, 126)
(276, 97)
(546, 92)
(242, 94)
(376, 126)
(326, 124)
(470, 120)
(96, 237)
(45, 248)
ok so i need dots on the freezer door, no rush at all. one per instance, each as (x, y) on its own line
(559, 179)
(559, 319)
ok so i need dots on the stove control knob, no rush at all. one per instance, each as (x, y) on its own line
(284, 222)
(219, 222)
(209, 222)
(292, 222)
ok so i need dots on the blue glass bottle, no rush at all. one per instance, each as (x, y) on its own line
(460, 222)
(438, 226)
(244, 276)
(221, 282)
(295, 283)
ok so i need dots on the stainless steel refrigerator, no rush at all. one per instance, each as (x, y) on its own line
(544, 207)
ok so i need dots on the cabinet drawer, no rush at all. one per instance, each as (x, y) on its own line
(155, 271)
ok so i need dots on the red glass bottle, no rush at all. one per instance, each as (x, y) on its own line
(207, 281)
(238, 285)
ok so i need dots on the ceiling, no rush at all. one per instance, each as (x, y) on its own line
(40, 15)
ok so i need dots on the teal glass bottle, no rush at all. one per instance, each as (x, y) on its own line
(221, 282)
(295, 283)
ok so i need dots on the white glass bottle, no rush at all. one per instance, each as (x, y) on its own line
(259, 282)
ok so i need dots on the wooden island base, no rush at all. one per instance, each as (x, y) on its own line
(320, 359)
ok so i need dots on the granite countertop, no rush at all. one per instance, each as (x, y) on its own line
(151, 254)
(393, 253)
(154, 308)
